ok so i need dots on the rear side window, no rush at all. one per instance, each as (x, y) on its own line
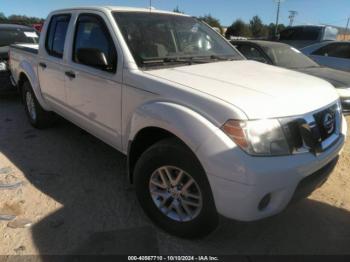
(56, 35)
(339, 50)
(92, 33)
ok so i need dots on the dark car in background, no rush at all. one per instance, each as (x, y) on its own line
(335, 54)
(302, 36)
(286, 56)
(12, 34)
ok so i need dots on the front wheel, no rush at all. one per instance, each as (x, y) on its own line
(38, 117)
(173, 190)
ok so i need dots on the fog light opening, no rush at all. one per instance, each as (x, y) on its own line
(265, 201)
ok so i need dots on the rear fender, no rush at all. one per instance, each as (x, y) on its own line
(27, 69)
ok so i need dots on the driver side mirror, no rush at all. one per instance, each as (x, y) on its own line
(94, 58)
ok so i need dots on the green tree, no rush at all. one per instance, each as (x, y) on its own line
(2, 15)
(213, 22)
(271, 29)
(238, 28)
(22, 19)
(3, 18)
(257, 27)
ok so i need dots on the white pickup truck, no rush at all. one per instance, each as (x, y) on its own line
(205, 131)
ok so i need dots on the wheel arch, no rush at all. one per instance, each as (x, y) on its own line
(160, 120)
(143, 140)
(27, 74)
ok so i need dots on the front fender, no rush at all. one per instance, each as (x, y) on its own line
(189, 126)
(26, 68)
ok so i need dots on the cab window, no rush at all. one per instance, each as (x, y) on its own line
(92, 36)
(56, 35)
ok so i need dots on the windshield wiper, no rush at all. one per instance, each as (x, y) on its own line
(186, 60)
(163, 60)
(171, 60)
(223, 57)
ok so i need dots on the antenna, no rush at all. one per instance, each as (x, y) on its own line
(291, 17)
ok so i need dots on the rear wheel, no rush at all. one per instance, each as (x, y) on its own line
(38, 117)
(173, 190)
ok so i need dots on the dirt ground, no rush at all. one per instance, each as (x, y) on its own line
(75, 198)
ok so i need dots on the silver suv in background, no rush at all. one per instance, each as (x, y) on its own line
(335, 54)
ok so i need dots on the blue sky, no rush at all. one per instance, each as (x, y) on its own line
(310, 11)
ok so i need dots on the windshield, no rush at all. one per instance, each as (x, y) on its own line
(290, 57)
(154, 37)
(11, 36)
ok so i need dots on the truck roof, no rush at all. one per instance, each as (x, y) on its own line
(119, 9)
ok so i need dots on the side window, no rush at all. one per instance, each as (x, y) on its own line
(252, 53)
(339, 50)
(93, 44)
(323, 51)
(56, 35)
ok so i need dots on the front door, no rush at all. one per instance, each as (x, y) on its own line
(94, 91)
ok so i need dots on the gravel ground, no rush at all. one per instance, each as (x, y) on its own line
(74, 198)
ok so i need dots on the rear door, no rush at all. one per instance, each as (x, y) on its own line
(335, 55)
(51, 61)
(93, 93)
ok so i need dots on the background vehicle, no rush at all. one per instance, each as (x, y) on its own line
(283, 55)
(331, 54)
(12, 34)
(301, 36)
(205, 131)
(38, 27)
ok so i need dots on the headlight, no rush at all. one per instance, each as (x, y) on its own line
(258, 137)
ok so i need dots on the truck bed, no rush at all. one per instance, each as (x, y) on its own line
(20, 55)
(31, 48)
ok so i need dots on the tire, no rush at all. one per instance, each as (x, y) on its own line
(38, 117)
(173, 156)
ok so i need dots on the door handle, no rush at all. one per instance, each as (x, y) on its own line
(70, 74)
(43, 65)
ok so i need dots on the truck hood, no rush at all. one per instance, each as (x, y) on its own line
(259, 90)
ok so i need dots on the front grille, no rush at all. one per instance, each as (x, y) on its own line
(322, 126)
(314, 132)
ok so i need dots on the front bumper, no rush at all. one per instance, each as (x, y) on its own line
(239, 182)
(314, 181)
